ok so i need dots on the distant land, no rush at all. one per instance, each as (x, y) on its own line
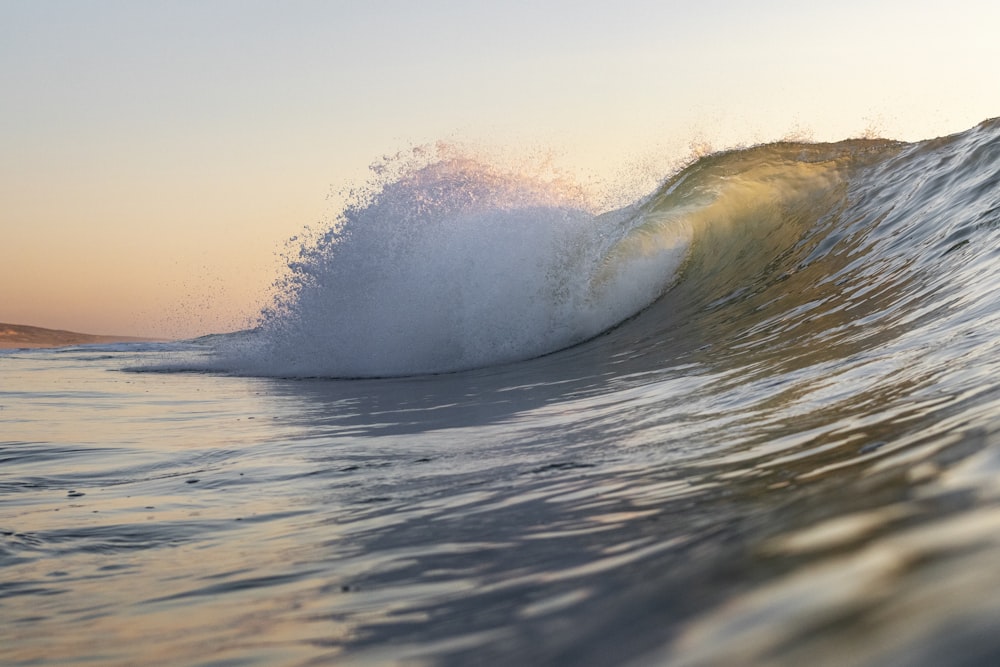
(20, 336)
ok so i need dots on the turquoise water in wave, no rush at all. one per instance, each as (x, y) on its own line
(753, 418)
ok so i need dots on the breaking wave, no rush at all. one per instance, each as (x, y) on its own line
(447, 263)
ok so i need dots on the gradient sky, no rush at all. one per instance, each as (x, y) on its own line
(155, 156)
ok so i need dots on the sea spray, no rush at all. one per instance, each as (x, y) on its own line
(446, 262)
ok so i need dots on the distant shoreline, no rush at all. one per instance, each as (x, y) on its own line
(21, 336)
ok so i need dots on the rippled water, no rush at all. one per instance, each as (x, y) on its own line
(490, 516)
(792, 455)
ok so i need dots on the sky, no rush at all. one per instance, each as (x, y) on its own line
(156, 156)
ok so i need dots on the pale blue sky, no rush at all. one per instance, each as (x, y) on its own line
(155, 155)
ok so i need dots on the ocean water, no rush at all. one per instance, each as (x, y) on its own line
(753, 418)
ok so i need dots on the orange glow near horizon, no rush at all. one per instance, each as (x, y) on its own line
(156, 157)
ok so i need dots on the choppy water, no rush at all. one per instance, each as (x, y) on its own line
(792, 454)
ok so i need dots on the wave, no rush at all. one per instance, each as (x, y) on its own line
(451, 263)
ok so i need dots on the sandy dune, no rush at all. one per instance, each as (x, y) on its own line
(23, 336)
